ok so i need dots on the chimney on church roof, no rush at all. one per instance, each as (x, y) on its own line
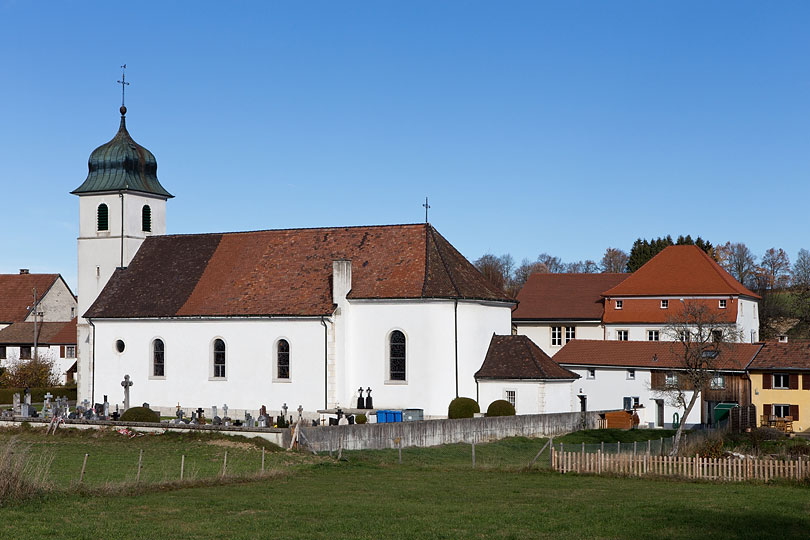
(341, 280)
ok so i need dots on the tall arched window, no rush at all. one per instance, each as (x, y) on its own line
(103, 217)
(283, 359)
(146, 218)
(396, 356)
(219, 358)
(158, 367)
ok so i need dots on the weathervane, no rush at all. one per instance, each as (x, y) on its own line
(123, 82)
(426, 206)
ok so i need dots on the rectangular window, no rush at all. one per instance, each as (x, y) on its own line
(631, 374)
(664, 304)
(25, 353)
(717, 336)
(570, 333)
(621, 335)
(781, 381)
(722, 304)
(671, 379)
(627, 403)
(510, 396)
(718, 381)
(2, 352)
(635, 401)
(70, 351)
(781, 411)
(653, 335)
(591, 373)
(556, 336)
(619, 304)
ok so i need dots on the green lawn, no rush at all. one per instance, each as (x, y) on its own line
(435, 493)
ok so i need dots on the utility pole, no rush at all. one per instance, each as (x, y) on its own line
(36, 336)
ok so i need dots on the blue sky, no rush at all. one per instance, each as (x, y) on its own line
(533, 127)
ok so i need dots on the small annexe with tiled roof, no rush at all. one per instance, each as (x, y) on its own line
(780, 382)
(55, 341)
(302, 316)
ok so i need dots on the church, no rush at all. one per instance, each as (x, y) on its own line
(296, 316)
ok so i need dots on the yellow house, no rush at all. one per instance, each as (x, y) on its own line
(780, 385)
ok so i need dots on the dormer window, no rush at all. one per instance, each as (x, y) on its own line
(664, 304)
(618, 304)
(103, 218)
(146, 218)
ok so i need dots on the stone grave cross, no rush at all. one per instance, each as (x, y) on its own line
(126, 383)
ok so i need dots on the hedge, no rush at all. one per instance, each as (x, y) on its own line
(37, 394)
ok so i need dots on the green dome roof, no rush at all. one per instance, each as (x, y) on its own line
(122, 164)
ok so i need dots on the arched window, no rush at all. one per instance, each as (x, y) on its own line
(283, 359)
(158, 367)
(219, 359)
(396, 356)
(103, 220)
(146, 218)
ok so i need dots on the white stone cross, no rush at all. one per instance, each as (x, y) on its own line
(126, 383)
(48, 397)
(224, 410)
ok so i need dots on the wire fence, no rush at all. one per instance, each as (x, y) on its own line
(654, 447)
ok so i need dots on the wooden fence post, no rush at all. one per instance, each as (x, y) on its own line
(182, 465)
(140, 462)
(84, 465)
(263, 451)
(473, 452)
(225, 464)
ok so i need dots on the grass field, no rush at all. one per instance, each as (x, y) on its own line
(435, 493)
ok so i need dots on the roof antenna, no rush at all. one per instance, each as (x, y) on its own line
(426, 206)
(123, 82)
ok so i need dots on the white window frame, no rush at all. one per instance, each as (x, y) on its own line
(631, 374)
(152, 358)
(387, 356)
(670, 379)
(570, 333)
(513, 392)
(619, 335)
(787, 381)
(664, 304)
(276, 378)
(590, 373)
(785, 408)
(718, 381)
(211, 373)
(70, 351)
(653, 333)
(556, 336)
(619, 304)
(722, 304)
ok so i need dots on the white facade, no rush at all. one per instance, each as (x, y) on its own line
(607, 387)
(541, 333)
(100, 252)
(63, 357)
(530, 396)
(327, 366)
(57, 305)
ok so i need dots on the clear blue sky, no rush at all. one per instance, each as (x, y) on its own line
(534, 127)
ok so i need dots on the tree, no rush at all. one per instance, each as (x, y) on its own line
(522, 273)
(738, 261)
(37, 372)
(643, 250)
(700, 348)
(581, 267)
(774, 271)
(801, 270)
(614, 260)
(553, 264)
(496, 269)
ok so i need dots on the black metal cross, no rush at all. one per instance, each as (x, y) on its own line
(123, 82)
(426, 206)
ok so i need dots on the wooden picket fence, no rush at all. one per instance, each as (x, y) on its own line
(721, 469)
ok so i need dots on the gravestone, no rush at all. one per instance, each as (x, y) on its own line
(284, 410)
(200, 415)
(106, 410)
(17, 407)
(214, 411)
(369, 401)
(300, 412)
(216, 421)
(27, 397)
(126, 383)
(361, 403)
(249, 420)
(262, 421)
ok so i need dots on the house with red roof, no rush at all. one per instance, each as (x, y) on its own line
(643, 306)
(53, 341)
(20, 292)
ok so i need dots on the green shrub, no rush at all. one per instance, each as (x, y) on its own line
(463, 407)
(140, 414)
(500, 407)
(360, 419)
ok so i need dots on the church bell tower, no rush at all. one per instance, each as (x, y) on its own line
(121, 203)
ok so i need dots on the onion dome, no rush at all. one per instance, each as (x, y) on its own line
(122, 164)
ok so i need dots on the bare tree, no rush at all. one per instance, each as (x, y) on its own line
(523, 272)
(614, 261)
(495, 269)
(553, 264)
(801, 269)
(700, 347)
(738, 261)
(774, 272)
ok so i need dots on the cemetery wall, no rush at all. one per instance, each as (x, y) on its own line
(437, 432)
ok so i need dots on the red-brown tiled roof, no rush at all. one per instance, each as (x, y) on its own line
(680, 270)
(564, 296)
(517, 357)
(287, 272)
(783, 356)
(50, 333)
(17, 294)
(648, 310)
(646, 354)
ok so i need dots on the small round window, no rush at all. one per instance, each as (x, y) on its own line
(119, 346)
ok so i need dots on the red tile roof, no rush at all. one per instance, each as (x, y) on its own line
(17, 294)
(50, 333)
(783, 356)
(564, 296)
(648, 310)
(680, 270)
(645, 354)
(287, 272)
(517, 357)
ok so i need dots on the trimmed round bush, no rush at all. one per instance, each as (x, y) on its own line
(500, 407)
(140, 414)
(463, 407)
(360, 419)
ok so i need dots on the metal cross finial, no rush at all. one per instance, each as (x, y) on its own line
(426, 206)
(123, 82)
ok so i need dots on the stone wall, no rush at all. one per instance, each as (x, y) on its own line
(437, 432)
